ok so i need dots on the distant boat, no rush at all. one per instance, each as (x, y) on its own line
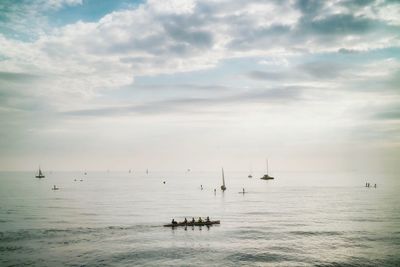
(40, 174)
(266, 176)
(55, 188)
(223, 187)
(250, 175)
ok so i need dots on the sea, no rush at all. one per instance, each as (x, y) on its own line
(116, 218)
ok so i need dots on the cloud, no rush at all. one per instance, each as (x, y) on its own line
(324, 69)
(26, 20)
(192, 105)
(341, 24)
(310, 71)
(389, 115)
(348, 51)
(168, 37)
(269, 75)
(17, 77)
(388, 112)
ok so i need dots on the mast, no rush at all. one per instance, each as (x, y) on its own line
(267, 166)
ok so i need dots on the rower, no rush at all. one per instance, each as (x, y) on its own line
(243, 191)
(173, 221)
(185, 221)
(208, 219)
(193, 221)
(200, 220)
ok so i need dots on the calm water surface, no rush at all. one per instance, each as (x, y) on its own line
(116, 218)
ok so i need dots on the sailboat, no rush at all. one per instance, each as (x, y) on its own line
(223, 187)
(40, 174)
(266, 176)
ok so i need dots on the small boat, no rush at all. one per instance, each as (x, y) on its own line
(250, 176)
(266, 176)
(192, 224)
(40, 174)
(223, 187)
(55, 188)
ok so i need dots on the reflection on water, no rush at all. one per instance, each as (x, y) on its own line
(116, 218)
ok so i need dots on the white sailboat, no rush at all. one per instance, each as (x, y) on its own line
(40, 174)
(266, 176)
(223, 187)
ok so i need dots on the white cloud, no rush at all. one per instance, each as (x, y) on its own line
(57, 4)
(381, 11)
(172, 6)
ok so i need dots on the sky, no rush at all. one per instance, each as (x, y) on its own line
(177, 84)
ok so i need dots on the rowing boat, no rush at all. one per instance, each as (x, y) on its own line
(192, 224)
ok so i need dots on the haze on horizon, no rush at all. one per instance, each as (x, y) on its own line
(171, 85)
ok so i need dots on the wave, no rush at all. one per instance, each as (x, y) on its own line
(316, 233)
(31, 234)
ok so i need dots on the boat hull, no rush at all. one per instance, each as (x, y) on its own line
(39, 176)
(192, 224)
(267, 177)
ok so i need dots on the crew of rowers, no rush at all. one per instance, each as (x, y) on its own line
(193, 220)
(369, 185)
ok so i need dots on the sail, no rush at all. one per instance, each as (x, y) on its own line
(223, 187)
(223, 178)
(266, 176)
(40, 174)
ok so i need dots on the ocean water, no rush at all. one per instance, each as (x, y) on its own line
(116, 218)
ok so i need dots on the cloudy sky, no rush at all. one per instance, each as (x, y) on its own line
(176, 84)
